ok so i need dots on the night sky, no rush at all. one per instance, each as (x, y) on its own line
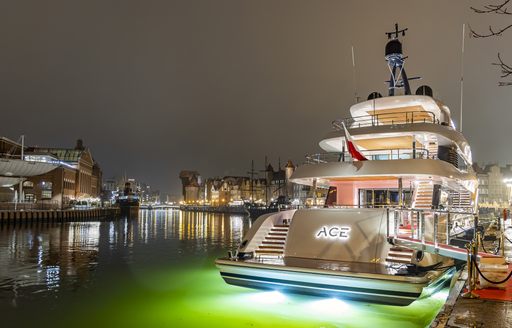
(154, 87)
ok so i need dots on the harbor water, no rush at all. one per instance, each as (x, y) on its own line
(157, 271)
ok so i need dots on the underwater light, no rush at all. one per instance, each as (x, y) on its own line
(273, 297)
(328, 306)
(440, 295)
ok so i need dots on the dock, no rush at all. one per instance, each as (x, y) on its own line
(18, 217)
(493, 308)
(215, 209)
(459, 312)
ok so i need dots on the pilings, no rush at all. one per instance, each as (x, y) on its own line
(95, 214)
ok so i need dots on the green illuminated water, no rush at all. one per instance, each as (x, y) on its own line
(157, 271)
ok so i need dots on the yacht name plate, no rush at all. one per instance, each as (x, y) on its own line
(333, 232)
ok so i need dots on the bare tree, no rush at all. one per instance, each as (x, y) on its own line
(496, 9)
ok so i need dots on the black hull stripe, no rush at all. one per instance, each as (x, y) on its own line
(323, 286)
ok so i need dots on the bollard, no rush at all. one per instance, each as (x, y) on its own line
(502, 244)
(470, 247)
(476, 247)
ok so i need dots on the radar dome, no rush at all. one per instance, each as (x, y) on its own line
(374, 95)
(393, 47)
(424, 90)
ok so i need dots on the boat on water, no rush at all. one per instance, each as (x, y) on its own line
(129, 200)
(256, 210)
(400, 184)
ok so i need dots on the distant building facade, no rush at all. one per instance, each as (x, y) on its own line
(494, 185)
(229, 189)
(77, 178)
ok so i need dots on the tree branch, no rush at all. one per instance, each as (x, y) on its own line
(500, 9)
(506, 70)
(492, 32)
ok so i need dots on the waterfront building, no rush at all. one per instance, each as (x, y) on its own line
(494, 185)
(191, 187)
(77, 178)
(254, 190)
(233, 189)
(16, 165)
(147, 195)
(110, 189)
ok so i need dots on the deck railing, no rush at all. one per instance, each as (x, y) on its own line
(435, 231)
(374, 154)
(410, 117)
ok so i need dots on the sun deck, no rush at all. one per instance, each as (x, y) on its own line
(403, 109)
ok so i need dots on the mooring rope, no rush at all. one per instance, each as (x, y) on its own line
(510, 241)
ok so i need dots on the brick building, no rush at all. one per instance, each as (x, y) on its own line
(77, 178)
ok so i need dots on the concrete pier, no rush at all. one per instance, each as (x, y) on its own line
(13, 217)
(459, 312)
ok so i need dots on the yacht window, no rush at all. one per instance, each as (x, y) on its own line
(382, 197)
(331, 197)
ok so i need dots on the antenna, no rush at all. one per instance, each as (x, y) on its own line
(462, 75)
(396, 62)
(394, 35)
(356, 97)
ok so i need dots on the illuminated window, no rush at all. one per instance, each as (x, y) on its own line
(29, 198)
(28, 184)
(46, 185)
(46, 194)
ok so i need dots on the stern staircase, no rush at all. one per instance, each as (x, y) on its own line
(401, 255)
(274, 241)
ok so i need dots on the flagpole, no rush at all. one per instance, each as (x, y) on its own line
(462, 75)
(356, 97)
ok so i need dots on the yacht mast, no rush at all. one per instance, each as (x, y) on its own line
(462, 75)
(396, 63)
(251, 174)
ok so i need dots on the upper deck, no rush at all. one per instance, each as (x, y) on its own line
(404, 122)
(406, 109)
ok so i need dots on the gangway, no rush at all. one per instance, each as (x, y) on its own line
(430, 230)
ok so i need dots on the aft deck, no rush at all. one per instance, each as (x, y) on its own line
(380, 271)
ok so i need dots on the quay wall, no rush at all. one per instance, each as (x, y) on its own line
(13, 217)
(215, 209)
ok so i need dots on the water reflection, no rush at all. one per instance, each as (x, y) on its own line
(49, 259)
(38, 257)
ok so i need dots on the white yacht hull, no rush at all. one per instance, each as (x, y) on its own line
(375, 288)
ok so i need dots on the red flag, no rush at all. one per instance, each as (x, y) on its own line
(352, 147)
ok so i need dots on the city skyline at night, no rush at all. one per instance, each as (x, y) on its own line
(210, 86)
